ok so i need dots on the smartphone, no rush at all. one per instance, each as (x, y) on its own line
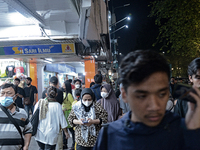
(85, 122)
(181, 91)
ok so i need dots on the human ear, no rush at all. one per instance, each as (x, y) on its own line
(15, 97)
(190, 78)
(124, 95)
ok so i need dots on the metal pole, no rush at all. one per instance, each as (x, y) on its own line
(118, 21)
(118, 29)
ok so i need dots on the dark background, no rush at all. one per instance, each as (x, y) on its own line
(142, 31)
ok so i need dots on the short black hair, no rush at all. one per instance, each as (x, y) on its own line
(77, 80)
(17, 79)
(70, 80)
(7, 85)
(91, 84)
(139, 65)
(98, 78)
(29, 78)
(194, 66)
(78, 92)
(53, 80)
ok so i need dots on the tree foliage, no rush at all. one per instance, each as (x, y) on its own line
(179, 28)
(179, 25)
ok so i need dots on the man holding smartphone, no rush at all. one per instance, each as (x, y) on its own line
(181, 106)
(145, 76)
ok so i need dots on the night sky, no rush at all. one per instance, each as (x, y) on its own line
(139, 25)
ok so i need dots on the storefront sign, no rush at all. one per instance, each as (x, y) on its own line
(38, 49)
(2, 51)
(60, 68)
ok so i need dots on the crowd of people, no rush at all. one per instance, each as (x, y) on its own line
(143, 114)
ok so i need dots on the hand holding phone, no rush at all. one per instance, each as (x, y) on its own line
(182, 92)
(85, 121)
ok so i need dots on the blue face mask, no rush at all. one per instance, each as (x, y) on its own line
(6, 101)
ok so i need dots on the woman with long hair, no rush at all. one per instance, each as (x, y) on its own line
(66, 107)
(87, 117)
(51, 118)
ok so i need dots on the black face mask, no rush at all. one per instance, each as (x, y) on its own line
(29, 84)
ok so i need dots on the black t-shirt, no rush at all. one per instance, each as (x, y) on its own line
(18, 101)
(10, 71)
(59, 97)
(33, 91)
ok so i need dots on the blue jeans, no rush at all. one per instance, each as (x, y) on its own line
(28, 108)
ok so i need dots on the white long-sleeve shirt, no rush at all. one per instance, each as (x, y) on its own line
(48, 128)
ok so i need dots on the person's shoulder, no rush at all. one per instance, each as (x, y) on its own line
(99, 100)
(33, 86)
(96, 86)
(45, 91)
(22, 112)
(20, 89)
(69, 94)
(55, 104)
(76, 105)
(171, 118)
(119, 125)
(59, 90)
(60, 93)
(181, 102)
(98, 103)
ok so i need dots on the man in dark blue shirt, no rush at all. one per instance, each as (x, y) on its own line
(148, 126)
(96, 88)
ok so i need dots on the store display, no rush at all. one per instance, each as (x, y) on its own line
(10, 70)
(19, 70)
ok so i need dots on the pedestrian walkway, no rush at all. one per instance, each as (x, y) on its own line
(34, 146)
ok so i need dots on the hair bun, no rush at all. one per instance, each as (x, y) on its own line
(51, 92)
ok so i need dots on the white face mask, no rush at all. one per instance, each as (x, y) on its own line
(77, 86)
(104, 94)
(87, 103)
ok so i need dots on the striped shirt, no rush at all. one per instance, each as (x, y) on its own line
(10, 138)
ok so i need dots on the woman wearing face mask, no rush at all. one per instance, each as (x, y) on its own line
(87, 116)
(66, 107)
(77, 84)
(110, 103)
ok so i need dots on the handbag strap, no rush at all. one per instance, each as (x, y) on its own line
(14, 122)
(30, 91)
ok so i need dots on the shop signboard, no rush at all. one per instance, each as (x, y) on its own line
(60, 68)
(2, 51)
(38, 49)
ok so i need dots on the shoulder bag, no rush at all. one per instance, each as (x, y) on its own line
(14, 122)
(27, 100)
(35, 121)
